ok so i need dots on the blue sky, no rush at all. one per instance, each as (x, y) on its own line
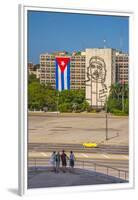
(50, 31)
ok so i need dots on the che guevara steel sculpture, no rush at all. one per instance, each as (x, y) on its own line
(96, 73)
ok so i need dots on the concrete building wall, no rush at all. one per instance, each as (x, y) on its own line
(100, 74)
(122, 67)
(93, 70)
(77, 69)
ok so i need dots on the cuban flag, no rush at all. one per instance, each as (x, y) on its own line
(62, 73)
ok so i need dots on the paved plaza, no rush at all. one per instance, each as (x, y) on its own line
(77, 128)
(70, 130)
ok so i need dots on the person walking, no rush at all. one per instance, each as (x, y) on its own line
(64, 161)
(53, 161)
(57, 161)
(71, 160)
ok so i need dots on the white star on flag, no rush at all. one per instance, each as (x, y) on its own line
(62, 63)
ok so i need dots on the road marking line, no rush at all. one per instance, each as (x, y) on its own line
(105, 156)
(126, 157)
(84, 155)
(44, 154)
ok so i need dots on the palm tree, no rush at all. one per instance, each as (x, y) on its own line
(126, 90)
(115, 90)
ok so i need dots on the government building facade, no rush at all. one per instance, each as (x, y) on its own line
(93, 70)
(77, 69)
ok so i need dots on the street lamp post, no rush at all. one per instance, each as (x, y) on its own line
(106, 119)
(123, 96)
(106, 133)
(57, 102)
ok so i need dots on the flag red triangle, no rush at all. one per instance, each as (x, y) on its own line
(62, 62)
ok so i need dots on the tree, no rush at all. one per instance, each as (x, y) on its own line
(37, 66)
(32, 78)
(35, 97)
(115, 90)
(45, 96)
(74, 100)
(118, 98)
(40, 96)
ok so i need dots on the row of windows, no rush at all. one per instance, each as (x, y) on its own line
(77, 64)
(79, 57)
(77, 76)
(47, 57)
(121, 61)
(121, 79)
(47, 81)
(80, 73)
(80, 60)
(77, 70)
(47, 62)
(72, 71)
(53, 76)
(54, 57)
(121, 66)
(53, 64)
(123, 70)
(79, 86)
(48, 77)
(122, 57)
(78, 81)
(82, 80)
(122, 73)
(72, 65)
(73, 86)
(79, 67)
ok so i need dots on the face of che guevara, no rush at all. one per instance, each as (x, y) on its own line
(97, 71)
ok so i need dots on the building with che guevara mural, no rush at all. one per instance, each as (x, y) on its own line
(93, 70)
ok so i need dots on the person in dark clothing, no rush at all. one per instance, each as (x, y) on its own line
(57, 161)
(64, 160)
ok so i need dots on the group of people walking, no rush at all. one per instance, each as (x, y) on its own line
(57, 158)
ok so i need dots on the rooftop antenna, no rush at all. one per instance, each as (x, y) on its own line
(104, 41)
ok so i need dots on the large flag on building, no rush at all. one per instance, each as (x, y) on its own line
(62, 73)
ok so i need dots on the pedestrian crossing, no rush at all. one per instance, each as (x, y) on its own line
(83, 155)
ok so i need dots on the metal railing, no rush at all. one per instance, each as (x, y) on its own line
(105, 169)
(35, 163)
